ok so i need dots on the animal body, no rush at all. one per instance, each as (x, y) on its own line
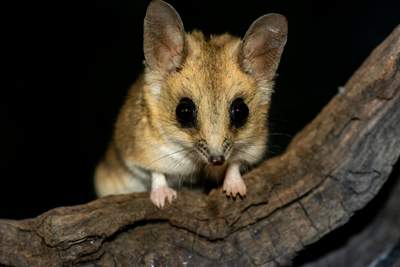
(201, 106)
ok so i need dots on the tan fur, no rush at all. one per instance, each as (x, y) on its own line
(212, 78)
(148, 138)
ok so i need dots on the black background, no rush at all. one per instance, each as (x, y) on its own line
(66, 70)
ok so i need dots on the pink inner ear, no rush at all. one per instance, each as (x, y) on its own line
(255, 45)
(163, 55)
(255, 57)
(175, 42)
(263, 45)
(163, 37)
(170, 51)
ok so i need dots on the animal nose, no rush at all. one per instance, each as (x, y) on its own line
(216, 160)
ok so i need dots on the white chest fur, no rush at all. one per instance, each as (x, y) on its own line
(176, 160)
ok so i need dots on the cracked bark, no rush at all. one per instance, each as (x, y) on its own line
(331, 169)
(375, 239)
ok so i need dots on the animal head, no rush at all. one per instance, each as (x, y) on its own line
(211, 95)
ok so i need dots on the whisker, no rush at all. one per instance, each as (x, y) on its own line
(250, 144)
(257, 137)
(280, 134)
(247, 153)
(269, 134)
(179, 163)
(269, 147)
(166, 156)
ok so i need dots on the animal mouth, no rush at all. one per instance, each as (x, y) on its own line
(214, 159)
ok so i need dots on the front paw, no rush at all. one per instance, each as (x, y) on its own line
(235, 187)
(160, 194)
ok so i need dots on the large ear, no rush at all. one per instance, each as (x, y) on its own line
(262, 46)
(164, 37)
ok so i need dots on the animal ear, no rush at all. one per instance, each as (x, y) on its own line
(164, 37)
(262, 46)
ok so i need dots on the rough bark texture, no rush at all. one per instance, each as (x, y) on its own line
(331, 169)
(374, 239)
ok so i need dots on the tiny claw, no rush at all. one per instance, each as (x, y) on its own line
(160, 194)
(234, 188)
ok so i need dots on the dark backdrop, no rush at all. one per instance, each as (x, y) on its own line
(66, 70)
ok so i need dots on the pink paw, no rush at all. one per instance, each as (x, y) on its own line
(232, 188)
(159, 195)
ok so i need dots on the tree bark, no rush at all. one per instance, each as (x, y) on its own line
(331, 169)
(373, 243)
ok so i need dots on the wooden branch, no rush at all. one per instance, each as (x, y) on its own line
(333, 168)
(378, 243)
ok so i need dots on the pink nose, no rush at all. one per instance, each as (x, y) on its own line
(216, 160)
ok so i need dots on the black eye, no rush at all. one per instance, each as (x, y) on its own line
(238, 112)
(186, 113)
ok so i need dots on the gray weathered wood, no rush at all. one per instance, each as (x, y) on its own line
(378, 243)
